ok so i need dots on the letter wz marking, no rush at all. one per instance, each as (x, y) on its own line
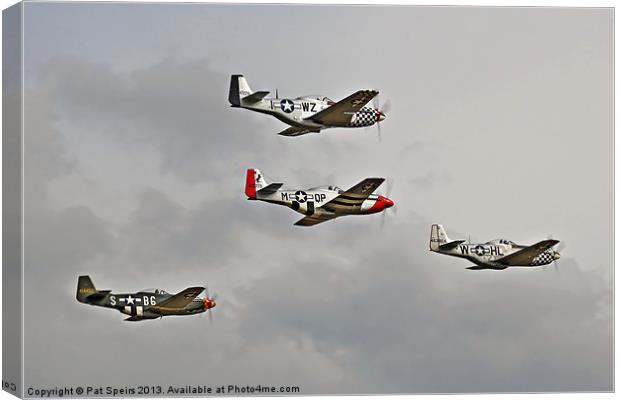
(308, 106)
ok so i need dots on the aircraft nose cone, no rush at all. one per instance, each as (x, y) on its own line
(209, 303)
(384, 202)
(556, 256)
(380, 116)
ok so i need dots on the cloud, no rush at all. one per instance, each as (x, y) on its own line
(406, 331)
(177, 108)
(367, 315)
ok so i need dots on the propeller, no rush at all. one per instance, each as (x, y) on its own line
(386, 107)
(389, 185)
(383, 109)
(276, 93)
(555, 266)
(561, 246)
(209, 302)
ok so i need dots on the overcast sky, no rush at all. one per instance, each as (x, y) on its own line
(501, 126)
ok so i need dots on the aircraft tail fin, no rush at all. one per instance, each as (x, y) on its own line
(239, 88)
(85, 288)
(254, 182)
(439, 237)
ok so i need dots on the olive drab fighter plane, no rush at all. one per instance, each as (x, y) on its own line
(319, 204)
(308, 113)
(148, 303)
(497, 254)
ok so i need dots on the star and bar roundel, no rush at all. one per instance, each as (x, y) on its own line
(287, 106)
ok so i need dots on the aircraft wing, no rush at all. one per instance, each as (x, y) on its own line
(354, 196)
(296, 131)
(526, 255)
(313, 220)
(180, 300)
(133, 318)
(340, 112)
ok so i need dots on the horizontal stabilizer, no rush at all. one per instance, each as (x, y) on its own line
(451, 245)
(255, 97)
(97, 295)
(270, 189)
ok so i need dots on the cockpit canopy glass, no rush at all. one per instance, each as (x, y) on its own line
(330, 187)
(154, 290)
(505, 241)
(316, 97)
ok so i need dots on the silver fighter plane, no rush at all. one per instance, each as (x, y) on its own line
(497, 254)
(308, 113)
(319, 204)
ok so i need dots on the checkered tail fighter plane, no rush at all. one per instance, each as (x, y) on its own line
(307, 114)
(497, 254)
(148, 303)
(319, 204)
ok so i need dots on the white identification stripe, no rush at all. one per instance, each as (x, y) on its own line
(128, 309)
(139, 310)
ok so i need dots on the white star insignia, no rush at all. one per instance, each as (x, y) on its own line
(288, 106)
(367, 188)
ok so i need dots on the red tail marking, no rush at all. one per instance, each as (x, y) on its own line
(250, 184)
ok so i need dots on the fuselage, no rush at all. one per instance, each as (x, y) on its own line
(145, 304)
(487, 254)
(313, 202)
(297, 112)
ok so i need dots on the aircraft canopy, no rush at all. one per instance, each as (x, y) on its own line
(316, 97)
(330, 187)
(503, 241)
(154, 290)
